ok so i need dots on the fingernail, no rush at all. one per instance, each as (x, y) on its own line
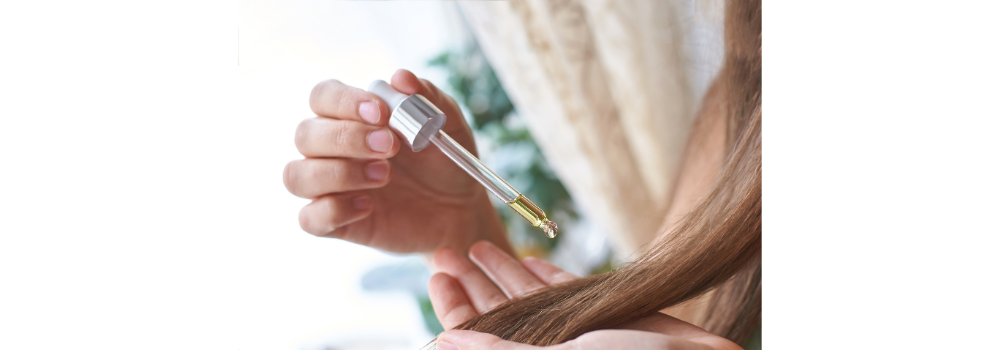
(380, 141)
(377, 170)
(443, 345)
(362, 202)
(370, 112)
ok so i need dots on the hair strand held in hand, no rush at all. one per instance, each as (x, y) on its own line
(715, 247)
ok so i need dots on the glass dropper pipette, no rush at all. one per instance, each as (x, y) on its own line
(419, 122)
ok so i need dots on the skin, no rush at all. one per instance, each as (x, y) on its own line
(413, 202)
(369, 188)
(462, 290)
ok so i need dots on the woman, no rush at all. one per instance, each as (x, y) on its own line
(430, 205)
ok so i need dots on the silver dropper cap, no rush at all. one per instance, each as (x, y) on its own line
(415, 118)
(420, 122)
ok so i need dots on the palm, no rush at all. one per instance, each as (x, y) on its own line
(462, 291)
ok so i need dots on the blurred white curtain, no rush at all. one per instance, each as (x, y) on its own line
(609, 90)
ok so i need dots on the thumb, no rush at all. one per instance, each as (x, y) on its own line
(469, 340)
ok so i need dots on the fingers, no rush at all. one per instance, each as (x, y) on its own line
(503, 269)
(406, 82)
(481, 292)
(311, 178)
(546, 272)
(333, 99)
(602, 339)
(629, 339)
(469, 340)
(451, 305)
(324, 137)
(326, 214)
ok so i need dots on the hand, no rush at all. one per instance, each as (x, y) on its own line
(596, 340)
(369, 188)
(462, 291)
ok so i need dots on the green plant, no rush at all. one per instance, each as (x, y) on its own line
(517, 157)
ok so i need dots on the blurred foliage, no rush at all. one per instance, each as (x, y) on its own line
(512, 153)
(430, 318)
(607, 266)
(515, 155)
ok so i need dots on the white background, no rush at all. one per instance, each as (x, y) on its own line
(141, 204)
(143, 147)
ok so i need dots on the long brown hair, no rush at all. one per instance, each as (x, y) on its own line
(716, 247)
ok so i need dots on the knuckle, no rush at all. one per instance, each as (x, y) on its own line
(302, 134)
(318, 91)
(341, 136)
(326, 86)
(296, 182)
(286, 177)
(337, 171)
(324, 93)
(345, 100)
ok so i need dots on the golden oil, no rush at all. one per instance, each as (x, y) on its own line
(535, 216)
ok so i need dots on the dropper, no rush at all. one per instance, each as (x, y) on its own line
(419, 122)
